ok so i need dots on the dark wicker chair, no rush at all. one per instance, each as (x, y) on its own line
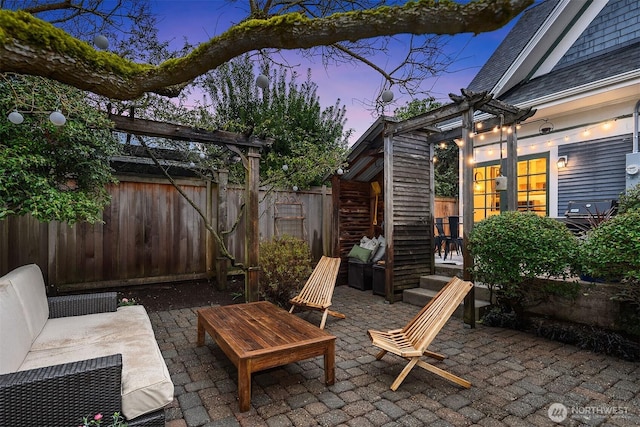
(61, 395)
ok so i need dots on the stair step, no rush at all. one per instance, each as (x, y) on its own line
(435, 282)
(421, 296)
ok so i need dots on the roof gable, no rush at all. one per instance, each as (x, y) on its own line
(617, 25)
(560, 34)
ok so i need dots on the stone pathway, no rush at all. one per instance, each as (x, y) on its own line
(518, 379)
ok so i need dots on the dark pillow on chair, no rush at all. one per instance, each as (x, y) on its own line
(360, 253)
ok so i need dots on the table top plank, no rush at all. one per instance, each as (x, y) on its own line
(287, 331)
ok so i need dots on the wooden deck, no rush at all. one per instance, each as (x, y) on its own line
(259, 335)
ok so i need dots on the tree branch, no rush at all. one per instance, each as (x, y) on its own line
(31, 46)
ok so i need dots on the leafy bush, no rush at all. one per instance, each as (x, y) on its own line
(629, 200)
(286, 265)
(512, 249)
(611, 251)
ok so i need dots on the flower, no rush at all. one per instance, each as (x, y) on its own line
(126, 301)
(117, 421)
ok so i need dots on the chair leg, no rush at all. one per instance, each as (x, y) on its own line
(336, 314)
(442, 373)
(434, 355)
(404, 373)
(381, 354)
(292, 307)
(324, 318)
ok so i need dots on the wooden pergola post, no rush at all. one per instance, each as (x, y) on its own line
(467, 212)
(252, 237)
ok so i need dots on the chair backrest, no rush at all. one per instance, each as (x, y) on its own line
(454, 232)
(424, 327)
(320, 285)
(440, 226)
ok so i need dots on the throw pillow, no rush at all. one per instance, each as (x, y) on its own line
(360, 253)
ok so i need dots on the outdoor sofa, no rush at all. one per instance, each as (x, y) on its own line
(64, 358)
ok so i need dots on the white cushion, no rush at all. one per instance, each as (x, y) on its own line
(29, 285)
(15, 339)
(146, 383)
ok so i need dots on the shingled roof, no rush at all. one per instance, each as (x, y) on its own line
(511, 46)
(605, 65)
(609, 46)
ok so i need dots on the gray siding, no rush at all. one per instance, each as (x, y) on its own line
(617, 25)
(595, 171)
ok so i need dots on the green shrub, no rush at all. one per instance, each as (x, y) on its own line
(611, 251)
(285, 267)
(629, 200)
(512, 249)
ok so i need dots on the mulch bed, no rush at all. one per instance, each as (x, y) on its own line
(177, 295)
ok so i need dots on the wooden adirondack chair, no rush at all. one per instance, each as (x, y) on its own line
(411, 342)
(316, 294)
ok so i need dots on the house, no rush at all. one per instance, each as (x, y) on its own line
(577, 63)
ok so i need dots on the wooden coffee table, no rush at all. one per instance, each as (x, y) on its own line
(260, 335)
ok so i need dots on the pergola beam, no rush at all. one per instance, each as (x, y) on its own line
(182, 133)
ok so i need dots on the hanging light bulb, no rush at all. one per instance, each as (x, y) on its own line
(262, 81)
(57, 118)
(387, 96)
(202, 155)
(101, 42)
(295, 188)
(285, 167)
(340, 171)
(15, 117)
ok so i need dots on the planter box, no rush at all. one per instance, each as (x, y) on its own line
(592, 306)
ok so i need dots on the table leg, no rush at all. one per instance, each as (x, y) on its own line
(244, 384)
(330, 363)
(200, 332)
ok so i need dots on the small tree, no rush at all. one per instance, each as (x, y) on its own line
(53, 172)
(511, 250)
(286, 266)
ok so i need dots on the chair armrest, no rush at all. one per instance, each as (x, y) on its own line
(61, 395)
(78, 305)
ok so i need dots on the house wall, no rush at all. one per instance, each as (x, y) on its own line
(595, 170)
(595, 134)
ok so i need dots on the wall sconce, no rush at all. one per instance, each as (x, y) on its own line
(562, 162)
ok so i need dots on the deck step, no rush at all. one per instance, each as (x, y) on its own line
(421, 296)
(435, 282)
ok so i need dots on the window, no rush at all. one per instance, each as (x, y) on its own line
(532, 187)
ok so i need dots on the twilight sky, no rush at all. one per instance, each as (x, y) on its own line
(199, 20)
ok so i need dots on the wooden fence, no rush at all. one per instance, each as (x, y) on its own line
(150, 234)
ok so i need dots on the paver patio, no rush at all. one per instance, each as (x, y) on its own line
(515, 378)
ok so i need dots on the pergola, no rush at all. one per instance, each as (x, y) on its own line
(398, 155)
(238, 144)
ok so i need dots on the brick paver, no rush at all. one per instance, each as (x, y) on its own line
(516, 377)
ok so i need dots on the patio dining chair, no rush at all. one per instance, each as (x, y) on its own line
(411, 341)
(316, 294)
